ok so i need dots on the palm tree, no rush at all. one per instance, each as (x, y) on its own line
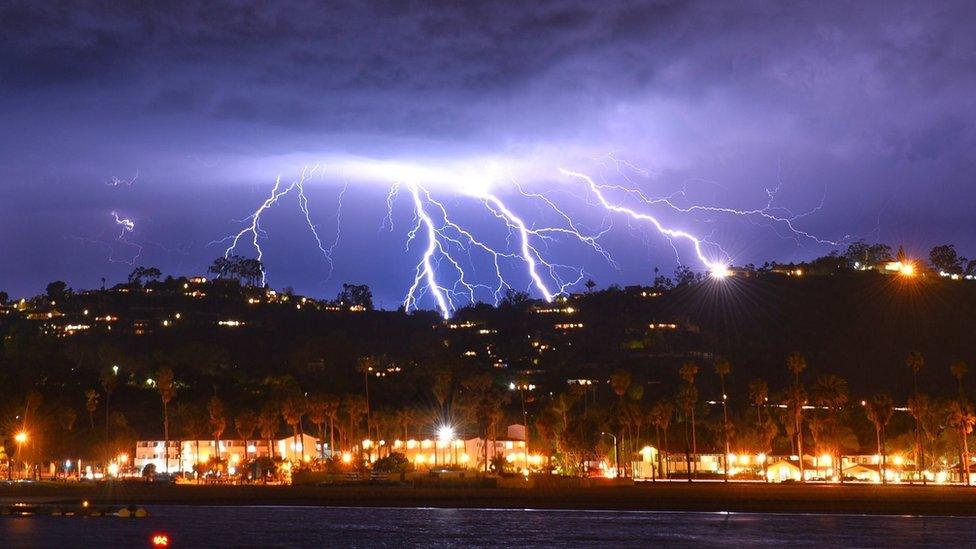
(268, 421)
(959, 369)
(758, 395)
(331, 405)
(441, 388)
(660, 416)
(354, 407)
(366, 366)
(831, 391)
(723, 368)
(768, 430)
(687, 397)
(620, 381)
(688, 372)
(293, 410)
(91, 404)
(109, 380)
(796, 363)
(318, 414)
(404, 418)
(879, 410)
(961, 417)
(218, 420)
(245, 424)
(167, 390)
(915, 361)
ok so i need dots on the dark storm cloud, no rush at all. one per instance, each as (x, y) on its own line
(867, 104)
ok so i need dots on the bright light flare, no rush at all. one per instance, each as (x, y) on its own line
(445, 433)
(720, 272)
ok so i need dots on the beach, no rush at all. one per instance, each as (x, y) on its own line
(661, 496)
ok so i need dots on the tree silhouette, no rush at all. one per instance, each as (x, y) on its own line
(879, 410)
(245, 424)
(723, 368)
(91, 404)
(167, 390)
(796, 398)
(946, 259)
(356, 295)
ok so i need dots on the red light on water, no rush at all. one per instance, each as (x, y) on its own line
(160, 540)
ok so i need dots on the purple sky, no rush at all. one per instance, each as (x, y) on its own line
(867, 107)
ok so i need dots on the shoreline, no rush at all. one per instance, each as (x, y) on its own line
(677, 497)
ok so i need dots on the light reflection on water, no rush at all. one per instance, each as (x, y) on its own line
(267, 526)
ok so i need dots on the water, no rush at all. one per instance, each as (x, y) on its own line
(264, 526)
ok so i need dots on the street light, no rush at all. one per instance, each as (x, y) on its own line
(445, 434)
(616, 461)
(20, 438)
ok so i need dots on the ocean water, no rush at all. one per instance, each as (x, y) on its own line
(266, 526)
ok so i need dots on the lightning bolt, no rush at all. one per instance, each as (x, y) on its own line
(770, 212)
(253, 232)
(424, 272)
(452, 252)
(717, 266)
(118, 181)
(126, 225)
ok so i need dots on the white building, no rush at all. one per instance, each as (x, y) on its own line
(184, 454)
(455, 452)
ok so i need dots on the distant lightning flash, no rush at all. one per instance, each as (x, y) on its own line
(118, 181)
(453, 254)
(126, 225)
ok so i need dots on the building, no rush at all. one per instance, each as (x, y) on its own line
(184, 454)
(454, 452)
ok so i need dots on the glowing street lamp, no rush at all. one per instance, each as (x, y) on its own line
(445, 434)
(20, 438)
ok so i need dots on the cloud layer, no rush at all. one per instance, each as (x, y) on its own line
(866, 106)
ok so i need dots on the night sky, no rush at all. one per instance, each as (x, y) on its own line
(180, 117)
